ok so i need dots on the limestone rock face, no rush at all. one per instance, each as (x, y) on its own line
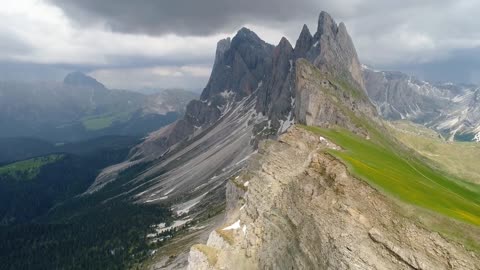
(275, 98)
(303, 210)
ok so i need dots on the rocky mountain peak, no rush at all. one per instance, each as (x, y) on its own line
(239, 67)
(326, 25)
(333, 51)
(246, 35)
(79, 79)
(304, 42)
(284, 44)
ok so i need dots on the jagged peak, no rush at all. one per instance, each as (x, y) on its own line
(305, 31)
(246, 34)
(284, 43)
(326, 25)
(304, 42)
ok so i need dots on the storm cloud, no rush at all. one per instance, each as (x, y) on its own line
(184, 17)
(113, 37)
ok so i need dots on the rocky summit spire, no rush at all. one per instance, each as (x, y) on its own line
(326, 25)
(331, 50)
(304, 43)
(240, 66)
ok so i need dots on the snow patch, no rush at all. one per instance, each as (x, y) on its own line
(234, 226)
(226, 93)
(170, 191)
(246, 184)
(157, 199)
(477, 137)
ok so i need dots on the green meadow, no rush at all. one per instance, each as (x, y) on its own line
(28, 169)
(404, 176)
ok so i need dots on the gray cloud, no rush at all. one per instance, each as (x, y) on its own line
(125, 35)
(11, 45)
(183, 17)
(385, 32)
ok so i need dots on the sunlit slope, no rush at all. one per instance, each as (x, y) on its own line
(458, 158)
(404, 176)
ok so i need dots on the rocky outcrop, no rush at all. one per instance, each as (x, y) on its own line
(321, 101)
(303, 210)
(451, 109)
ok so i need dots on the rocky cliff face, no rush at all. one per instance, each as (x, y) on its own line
(451, 109)
(301, 209)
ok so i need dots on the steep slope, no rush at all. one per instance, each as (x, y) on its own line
(451, 109)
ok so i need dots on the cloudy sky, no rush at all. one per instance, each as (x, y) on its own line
(165, 43)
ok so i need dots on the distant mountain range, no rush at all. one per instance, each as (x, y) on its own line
(451, 109)
(81, 108)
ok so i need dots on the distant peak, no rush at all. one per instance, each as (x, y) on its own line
(78, 78)
(246, 34)
(284, 43)
(304, 42)
(305, 31)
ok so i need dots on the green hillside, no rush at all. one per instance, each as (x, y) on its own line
(28, 169)
(405, 176)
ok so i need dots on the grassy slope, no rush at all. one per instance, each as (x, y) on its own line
(404, 176)
(28, 169)
(458, 158)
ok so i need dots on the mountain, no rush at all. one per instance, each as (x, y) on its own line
(335, 191)
(451, 109)
(80, 108)
(209, 160)
(283, 163)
